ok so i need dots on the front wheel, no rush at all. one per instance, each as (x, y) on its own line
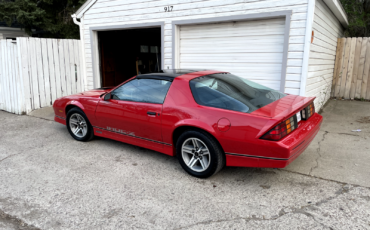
(78, 125)
(199, 154)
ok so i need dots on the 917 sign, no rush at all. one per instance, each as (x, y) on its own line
(168, 8)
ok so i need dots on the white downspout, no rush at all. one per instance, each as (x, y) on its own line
(307, 46)
(83, 69)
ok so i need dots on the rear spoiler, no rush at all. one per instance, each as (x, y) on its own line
(281, 110)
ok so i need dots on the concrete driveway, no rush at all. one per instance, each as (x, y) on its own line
(338, 153)
(50, 181)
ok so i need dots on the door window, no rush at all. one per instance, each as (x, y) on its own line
(143, 90)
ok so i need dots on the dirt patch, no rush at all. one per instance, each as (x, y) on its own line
(364, 120)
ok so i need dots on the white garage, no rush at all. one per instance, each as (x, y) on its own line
(250, 49)
(287, 45)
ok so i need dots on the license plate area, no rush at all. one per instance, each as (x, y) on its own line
(299, 117)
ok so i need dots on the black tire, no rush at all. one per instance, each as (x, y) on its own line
(90, 131)
(217, 156)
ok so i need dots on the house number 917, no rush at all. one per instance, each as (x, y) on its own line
(168, 8)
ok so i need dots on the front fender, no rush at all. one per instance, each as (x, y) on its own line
(74, 103)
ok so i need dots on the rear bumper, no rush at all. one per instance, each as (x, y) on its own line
(286, 150)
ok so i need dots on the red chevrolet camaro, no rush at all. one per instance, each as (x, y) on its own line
(208, 119)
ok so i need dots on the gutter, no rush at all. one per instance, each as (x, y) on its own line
(83, 69)
(336, 7)
(75, 20)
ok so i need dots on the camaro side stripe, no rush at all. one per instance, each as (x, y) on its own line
(60, 117)
(134, 136)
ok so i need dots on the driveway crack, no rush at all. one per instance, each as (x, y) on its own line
(10, 156)
(319, 153)
(293, 210)
(16, 222)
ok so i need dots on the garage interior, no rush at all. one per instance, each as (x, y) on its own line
(127, 53)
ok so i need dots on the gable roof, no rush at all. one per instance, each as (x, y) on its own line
(80, 12)
(334, 5)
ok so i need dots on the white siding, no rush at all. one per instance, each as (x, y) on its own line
(118, 12)
(327, 29)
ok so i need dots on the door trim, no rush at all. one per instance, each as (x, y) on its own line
(94, 44)
(244, 17)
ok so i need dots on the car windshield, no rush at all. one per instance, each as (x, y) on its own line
(227, 91)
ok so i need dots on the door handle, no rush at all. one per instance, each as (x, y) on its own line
(151, 113)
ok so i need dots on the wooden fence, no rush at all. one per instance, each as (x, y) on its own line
(34, 72)
(352, 69)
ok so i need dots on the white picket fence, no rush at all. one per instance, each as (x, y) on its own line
(36, 71)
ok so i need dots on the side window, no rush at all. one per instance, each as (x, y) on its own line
(143, 90)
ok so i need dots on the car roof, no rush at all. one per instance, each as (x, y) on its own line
(170, 74)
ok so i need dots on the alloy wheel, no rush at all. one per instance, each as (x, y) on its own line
(196, 154)
(78, 125)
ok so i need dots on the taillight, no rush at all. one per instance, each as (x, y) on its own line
(308, 111)
(282, 129)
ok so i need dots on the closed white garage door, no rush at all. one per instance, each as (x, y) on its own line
(249, 49)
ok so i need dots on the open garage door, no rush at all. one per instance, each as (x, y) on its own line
(128, 52)
(249, 49)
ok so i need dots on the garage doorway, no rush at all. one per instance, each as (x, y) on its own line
(127, 53)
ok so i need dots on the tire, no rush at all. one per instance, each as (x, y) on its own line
(86, 133)
(198, 163)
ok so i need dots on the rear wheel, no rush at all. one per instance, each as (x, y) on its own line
(199, 154)
(78, 125)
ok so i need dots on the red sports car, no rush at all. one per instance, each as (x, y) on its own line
(208, 119)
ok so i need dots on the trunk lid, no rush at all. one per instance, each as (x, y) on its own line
(281, 110)
(284, 107)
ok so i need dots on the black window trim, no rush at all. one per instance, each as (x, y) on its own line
(156, 77)
(164, 78)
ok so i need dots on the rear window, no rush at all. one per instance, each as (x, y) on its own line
(227, 91)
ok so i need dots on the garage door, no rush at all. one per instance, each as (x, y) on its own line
(249, 49)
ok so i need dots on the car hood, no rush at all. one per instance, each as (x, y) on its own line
(95, 92)
(283, 107)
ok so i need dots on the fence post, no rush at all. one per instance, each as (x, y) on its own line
(45, 68)
(2, 94)
(23, 76)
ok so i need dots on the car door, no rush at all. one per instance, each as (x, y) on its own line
(135, 110)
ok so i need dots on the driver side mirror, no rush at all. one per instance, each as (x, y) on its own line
(107, 96)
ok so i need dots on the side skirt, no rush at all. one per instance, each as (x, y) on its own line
(166, 149)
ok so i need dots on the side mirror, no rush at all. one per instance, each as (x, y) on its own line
(107, 96)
